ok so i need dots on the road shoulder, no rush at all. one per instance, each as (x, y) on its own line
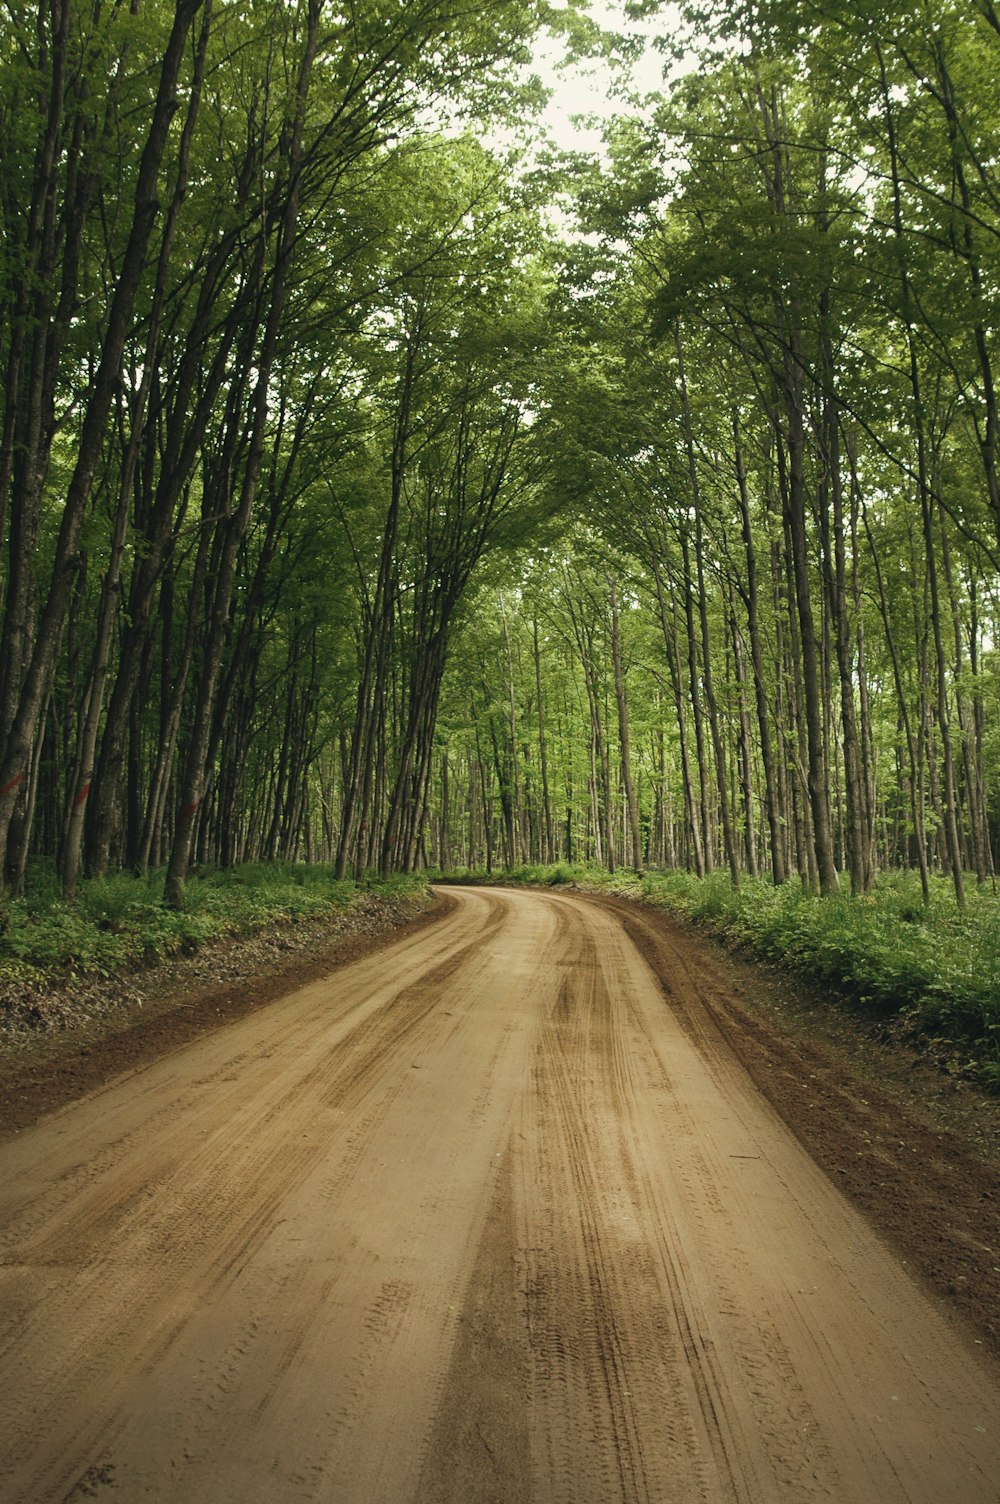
(165, 1008)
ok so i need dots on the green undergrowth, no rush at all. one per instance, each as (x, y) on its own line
(935, 969)
(120, 922)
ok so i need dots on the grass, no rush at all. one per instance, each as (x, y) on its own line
(937, 969)
(120, 922)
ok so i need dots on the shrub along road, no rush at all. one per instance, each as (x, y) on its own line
(493, 1214)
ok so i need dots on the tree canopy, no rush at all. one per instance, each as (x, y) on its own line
(384, 485)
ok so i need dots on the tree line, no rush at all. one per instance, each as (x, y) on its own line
(355, 510)
(256, 427)
(779, 416)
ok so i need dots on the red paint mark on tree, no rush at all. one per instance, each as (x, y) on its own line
(81, 796)
(9, 787)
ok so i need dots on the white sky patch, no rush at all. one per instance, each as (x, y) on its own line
(584, 94)
(587, 94)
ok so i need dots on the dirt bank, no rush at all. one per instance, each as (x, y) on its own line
(96, 1030)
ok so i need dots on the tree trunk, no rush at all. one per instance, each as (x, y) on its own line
(751, 602)
(632, 803)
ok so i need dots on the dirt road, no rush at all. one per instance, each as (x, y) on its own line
(474, 1219)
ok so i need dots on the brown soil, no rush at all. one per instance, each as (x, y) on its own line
(529, 1205)
(100, 1030)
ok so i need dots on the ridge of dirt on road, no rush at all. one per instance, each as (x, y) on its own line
(916, 1152)
(151, 1013)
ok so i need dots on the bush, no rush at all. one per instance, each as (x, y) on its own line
(121, 921)
(883, 951)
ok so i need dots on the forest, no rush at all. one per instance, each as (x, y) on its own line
(386, 485)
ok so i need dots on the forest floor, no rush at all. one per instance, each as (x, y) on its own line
(539, 1196)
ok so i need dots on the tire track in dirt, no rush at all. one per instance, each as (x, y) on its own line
(934, 1199)
(630, 1371)
(699, 1313)
(133, 1242)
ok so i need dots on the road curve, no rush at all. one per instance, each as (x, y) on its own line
(472, 1219)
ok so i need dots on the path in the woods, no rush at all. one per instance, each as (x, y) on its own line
(480, 1217)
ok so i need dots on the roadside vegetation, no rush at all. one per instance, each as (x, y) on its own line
(121, 922)
(934, 968)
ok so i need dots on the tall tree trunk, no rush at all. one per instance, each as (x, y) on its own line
(835, 558)
(671, 646)
(751, 602)
(515, 776)
(745, 755)
(550, 853)
(697, 715)
(812, 688)
(953, 845)
(725, 811)
(632, 803)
